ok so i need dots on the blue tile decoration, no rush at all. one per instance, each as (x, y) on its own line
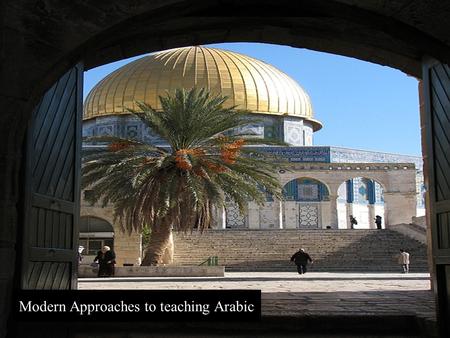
(299, 154)
(280, 128)
(305, 189)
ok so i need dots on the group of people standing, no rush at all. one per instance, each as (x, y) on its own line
(105, 260)
(301, 259)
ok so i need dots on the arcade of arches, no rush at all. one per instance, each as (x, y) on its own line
(41, 42)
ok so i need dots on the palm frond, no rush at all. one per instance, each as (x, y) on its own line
(205, 164)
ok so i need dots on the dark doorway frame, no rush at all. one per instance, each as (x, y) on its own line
(330, 26)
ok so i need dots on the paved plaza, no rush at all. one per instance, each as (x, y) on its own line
(312, 294)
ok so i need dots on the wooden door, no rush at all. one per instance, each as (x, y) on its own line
(52, 196)
(436, 94)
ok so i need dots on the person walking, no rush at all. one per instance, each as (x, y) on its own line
(353, 221)
(106, 258)
(378, 221)
(403, 260)
(301, 259)
(80, 254)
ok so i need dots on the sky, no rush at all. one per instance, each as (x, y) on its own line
(360, 104)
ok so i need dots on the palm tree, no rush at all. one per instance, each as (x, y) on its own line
(178, 186)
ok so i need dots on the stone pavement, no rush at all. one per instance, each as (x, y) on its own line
(288, 294)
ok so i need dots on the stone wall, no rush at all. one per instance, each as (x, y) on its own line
(156, 271)
(420, 221)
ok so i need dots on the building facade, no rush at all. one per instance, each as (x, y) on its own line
(323, 186)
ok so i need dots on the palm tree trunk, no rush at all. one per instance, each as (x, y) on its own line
(159, 241)
(167, 257)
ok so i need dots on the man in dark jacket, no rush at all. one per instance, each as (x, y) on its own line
(301, 259)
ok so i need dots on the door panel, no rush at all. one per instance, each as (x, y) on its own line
(52, 195)
(436, 90)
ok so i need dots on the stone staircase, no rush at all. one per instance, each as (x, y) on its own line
(413, 231)
(270, 250)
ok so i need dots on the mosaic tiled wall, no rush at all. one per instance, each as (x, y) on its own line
(299, 154)
(308, 215)
(294, 131)
(234, 218)
(346, 155)
(287, 129)
(297, 132)
(120, 126)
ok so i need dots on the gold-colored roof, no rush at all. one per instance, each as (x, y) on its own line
(249, 83)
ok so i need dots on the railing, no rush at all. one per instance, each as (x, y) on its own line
(211, 261)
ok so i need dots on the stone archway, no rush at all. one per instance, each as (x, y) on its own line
(128, 247)
(394, 35)
(363, 199)
(399, 192)
(396, 179)
(307, 204)
(95, 232)
(45, 40)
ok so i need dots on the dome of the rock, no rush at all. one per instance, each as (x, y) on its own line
(248, 83)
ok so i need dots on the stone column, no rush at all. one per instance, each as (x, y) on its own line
(253, 215)
(349, 211)
(426, 169)
(371, 205)
(280, 214)
(333, 212)
(399, 207)
(290, 215)
(372, 215)
(219, 218)
(349, 204)
(224, 218)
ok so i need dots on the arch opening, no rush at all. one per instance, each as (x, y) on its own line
(95, 232)
(117, 46)
(360, 204)
(306, 189)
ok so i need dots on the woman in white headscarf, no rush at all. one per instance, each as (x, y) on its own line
(106, 258)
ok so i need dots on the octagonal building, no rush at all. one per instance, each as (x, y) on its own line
(283, 110)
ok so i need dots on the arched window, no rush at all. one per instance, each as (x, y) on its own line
(361, 190)
(305, 190)
(362, 198)
(95, 232)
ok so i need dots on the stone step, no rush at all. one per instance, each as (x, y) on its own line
(270, 250)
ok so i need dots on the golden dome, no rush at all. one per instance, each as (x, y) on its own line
(249, 83)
